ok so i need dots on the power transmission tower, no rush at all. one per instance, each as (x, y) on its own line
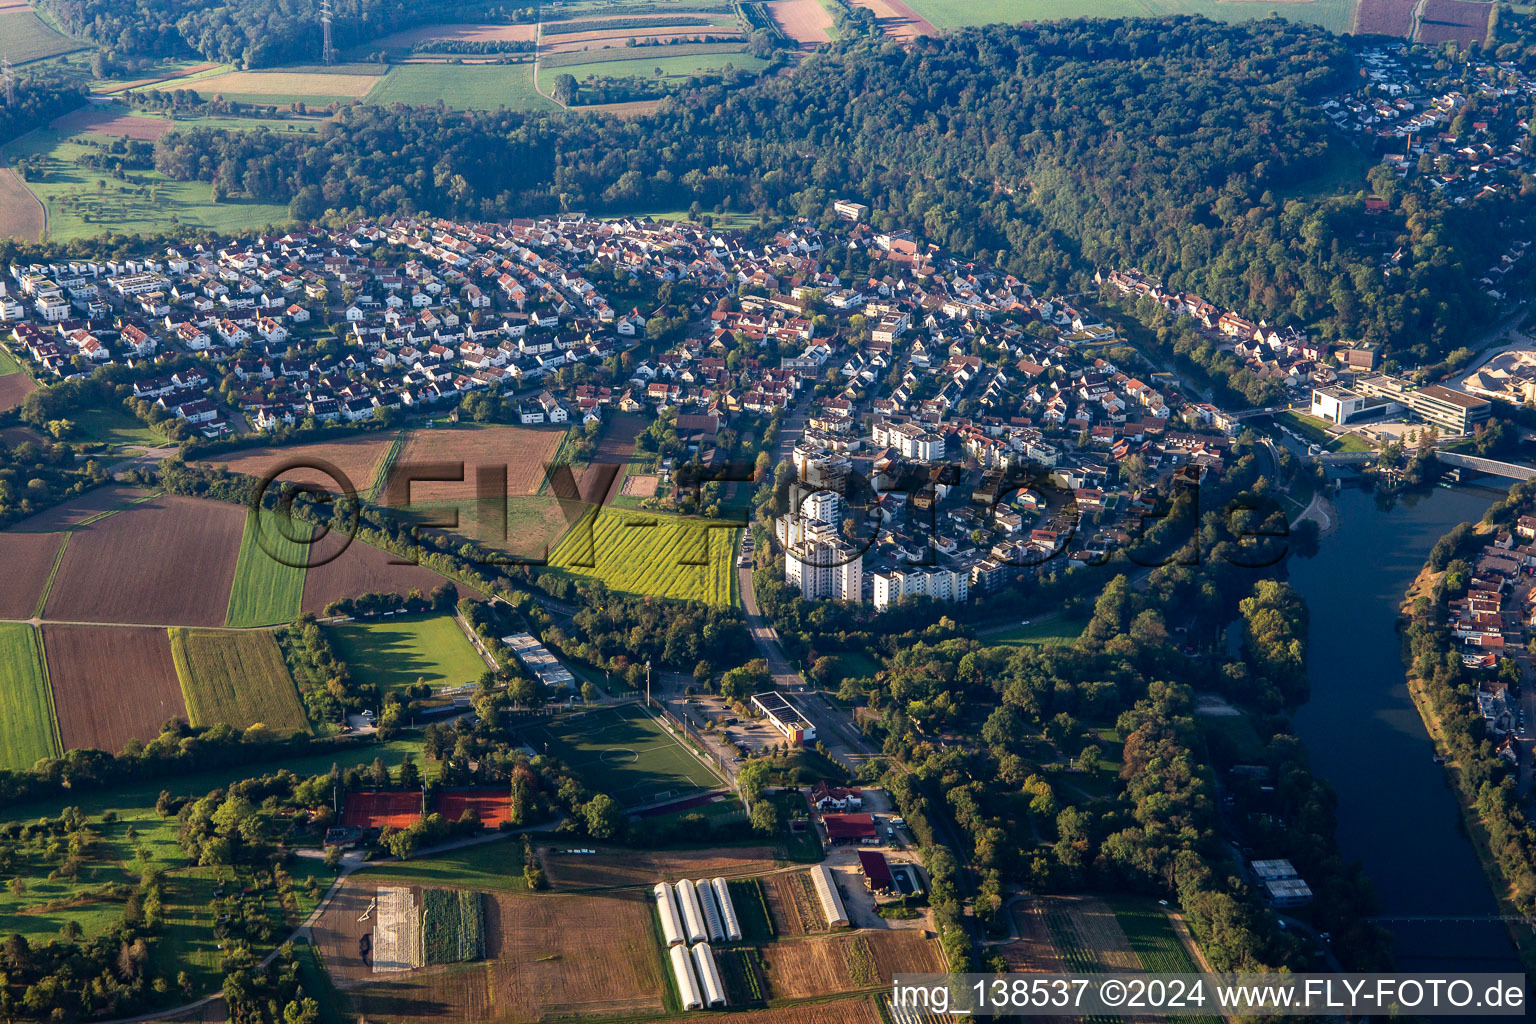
(8, 81)
(328, 54)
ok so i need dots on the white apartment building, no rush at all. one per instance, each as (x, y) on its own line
(924, 581)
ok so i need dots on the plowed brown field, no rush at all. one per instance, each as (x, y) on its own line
(80, 508)
(362, 569)
(111, 684)
(807, 22)
(359, 458)
(27, 559)
(167, 561)
(16, 386)
(523, 451)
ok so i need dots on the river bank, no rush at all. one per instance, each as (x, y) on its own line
(1363, 732)
(1473, 821)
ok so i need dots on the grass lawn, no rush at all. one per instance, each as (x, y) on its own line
(239, 678)
(1316, 432)
(491, 866)
(1235, 735)
(671, 67)
(624, 752)
(461, 86)
(653, 554)
(27, 729)
(113, 426)
(83, 202)
(269, 575)
(397, 652)
(8, 363)
(1049, 633)
(1334, 15)
(723, 221)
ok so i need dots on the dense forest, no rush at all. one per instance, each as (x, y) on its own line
(1179, 144)
(38, 101)
(256, 33)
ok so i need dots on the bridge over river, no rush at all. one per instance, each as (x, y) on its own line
(1493, 467)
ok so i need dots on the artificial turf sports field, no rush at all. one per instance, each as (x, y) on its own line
(624, 752)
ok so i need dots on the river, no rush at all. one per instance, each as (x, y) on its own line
(1397, 815)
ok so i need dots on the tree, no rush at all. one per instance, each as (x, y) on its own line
(589, 693)
(565, 89)
(765, 817)
(753, 779)
(604, 817)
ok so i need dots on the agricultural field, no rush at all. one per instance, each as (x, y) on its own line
(807, 22)
(1385, 18)
(28, 38)
(452, 926)
(659, 556)
(544, 961)
(1334, 15)
(824, 965)
(792, 904)
(1087, 936)
(1461, 21)
(400, 651)
(21, 216)
(624, 752)
(28, 559)
(609, 869)
(168, 561)
(269, 576)
(358, 458)
(238, 678)
(27, 728)
(522, 451)
(859, 1010)
(111, 684)
(671, 68)
(313, 86)
(82, 507)
(363, 569)
(461, 87)
(1032, 952)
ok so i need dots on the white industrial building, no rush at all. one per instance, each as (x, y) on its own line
(785, 717)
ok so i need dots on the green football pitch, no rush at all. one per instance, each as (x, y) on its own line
(625, 752)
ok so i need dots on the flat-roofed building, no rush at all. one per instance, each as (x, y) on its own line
(785, 717)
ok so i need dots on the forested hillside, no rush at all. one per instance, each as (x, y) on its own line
(38, 101)
(1181, 145)
(258, 33)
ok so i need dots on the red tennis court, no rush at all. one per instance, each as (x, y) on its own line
(493, 807)
(378, 809)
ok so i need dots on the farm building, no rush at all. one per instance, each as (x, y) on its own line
(849, 828)
(693, 914)
(712, 988)
(831, 901)
(877, 873)
(712, 918)
(687, 979)
(666, 906)
(538, 660)
(785, 717)
(727, 911)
